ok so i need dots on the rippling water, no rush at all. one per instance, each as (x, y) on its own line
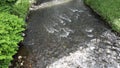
(66, 34)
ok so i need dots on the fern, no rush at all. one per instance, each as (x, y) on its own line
(10, 35)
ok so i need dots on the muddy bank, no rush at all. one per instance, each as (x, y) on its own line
(21, 59)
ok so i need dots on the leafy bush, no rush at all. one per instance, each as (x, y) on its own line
(15, 7)
(11, 27)
(5, 8)
(20, 8)
(10, 35)
(7, 2)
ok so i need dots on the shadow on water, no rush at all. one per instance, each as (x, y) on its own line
(38, 2)
(57, 31)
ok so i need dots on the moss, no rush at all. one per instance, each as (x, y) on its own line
(108, 9)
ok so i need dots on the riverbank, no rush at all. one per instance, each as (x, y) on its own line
(109, 10)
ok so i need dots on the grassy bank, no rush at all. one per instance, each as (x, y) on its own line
(12, 23)
(109, 10)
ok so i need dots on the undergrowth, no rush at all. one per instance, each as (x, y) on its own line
(12, 23)
(10, 35)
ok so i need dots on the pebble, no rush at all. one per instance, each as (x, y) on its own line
(19, 57)
(23, 34)
(21, 63)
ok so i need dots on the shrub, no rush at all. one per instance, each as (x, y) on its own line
(20, 8)
(6, 5)
(5, 8)
(11, 26)
(7, 2)
(15, 7)
(10, 35)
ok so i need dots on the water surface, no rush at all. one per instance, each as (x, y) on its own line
(68, 35)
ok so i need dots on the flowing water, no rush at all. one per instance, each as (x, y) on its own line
(66, 34)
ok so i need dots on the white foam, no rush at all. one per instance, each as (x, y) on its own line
(65, 18)
(65, 32)
(51, 29)
(76, 10)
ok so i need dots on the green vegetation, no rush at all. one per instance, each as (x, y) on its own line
(12, 15)
(108, 9)
(20, 8)
(7, 2)
(10, 35)
(16, 7)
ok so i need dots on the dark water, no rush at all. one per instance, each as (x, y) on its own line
(55, 32)
(38, 2)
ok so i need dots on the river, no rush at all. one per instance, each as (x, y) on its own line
(67, 34)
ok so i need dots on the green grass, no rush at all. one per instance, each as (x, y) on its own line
(108, 9)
